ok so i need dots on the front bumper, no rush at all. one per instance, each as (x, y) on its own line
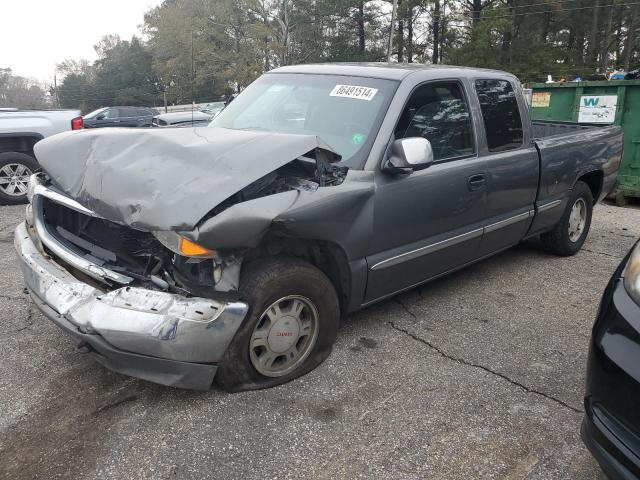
(611, 444)
(611, 425)
(157, 336)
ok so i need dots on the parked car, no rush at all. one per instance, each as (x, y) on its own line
(20, 130)
(120, 117)
(213, 108)
(231, 252)
(182, 119)
(611, 425)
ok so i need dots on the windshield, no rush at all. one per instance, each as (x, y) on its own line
(95, 113)
(345, 112)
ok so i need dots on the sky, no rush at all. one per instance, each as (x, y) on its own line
(37, 34)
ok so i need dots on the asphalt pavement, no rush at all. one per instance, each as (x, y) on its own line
(476, 375)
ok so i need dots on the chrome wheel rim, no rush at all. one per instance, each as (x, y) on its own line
(14, 179)
(284, 336)
(577, 220)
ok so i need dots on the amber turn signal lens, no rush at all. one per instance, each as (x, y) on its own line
(192, 249)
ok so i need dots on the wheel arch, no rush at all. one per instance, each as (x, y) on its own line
(594, 180)
(19, 142)
(328, 257)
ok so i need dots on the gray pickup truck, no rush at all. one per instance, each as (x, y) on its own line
(230, 253)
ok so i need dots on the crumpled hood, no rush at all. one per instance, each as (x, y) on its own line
(164, 179)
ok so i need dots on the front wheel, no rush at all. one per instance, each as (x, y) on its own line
(290, 328)
(570, 233)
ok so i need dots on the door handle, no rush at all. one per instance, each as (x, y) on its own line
(476, 182)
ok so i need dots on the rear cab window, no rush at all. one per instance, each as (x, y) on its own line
(500, 114)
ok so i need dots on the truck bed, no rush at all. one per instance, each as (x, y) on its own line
(543, 129)
(568, 151)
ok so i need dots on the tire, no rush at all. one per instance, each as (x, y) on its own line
(561, 241)
(11, 193)
(287, 282)
(621, 200)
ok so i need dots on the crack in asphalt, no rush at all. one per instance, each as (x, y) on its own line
(462, 361)
(602, 253)
(28, 320)
(116, 403)
(9, 297)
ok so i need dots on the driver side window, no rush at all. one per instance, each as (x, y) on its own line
(439, 112)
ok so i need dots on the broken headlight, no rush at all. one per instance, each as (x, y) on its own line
(632, 274)
(31, 186)
(182, 246)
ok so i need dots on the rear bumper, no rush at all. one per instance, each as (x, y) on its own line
(158, 336)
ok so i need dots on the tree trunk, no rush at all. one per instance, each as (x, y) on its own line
(436, 32)
(410, 34)
(631, 36)
(475, 12)
(361, 31)
(604, 52)
(400, 33)
(592, 51)
(265, 21)
(619, 36)
(284, 25)
(391, 28)
(507, 35)
(546, 22)
(443, 30)
(570, 46)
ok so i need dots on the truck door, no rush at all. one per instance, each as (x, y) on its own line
(108, 118)
(512, 164)
(429, 222)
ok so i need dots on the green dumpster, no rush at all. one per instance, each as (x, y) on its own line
(601, 103)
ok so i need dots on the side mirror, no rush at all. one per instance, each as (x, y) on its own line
(408, 155)
(100, 117)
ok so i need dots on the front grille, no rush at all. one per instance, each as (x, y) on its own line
(101, 241)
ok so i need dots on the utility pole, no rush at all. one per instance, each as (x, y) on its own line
(393, 20)
(161, 86)
(193, 74)
(55, 90)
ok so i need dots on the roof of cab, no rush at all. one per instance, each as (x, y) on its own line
(387, 71)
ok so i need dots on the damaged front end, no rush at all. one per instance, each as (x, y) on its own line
(110, 287)
(241, 221)
(136, 246)
(144, 193)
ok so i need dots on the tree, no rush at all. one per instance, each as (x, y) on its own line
(122, 75)
(199, 50)
(21, 92)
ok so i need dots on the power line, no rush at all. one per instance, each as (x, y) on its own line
(551, 10)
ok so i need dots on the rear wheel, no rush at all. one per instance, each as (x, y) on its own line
(15, 170)
(290, 328)
(571, 231)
